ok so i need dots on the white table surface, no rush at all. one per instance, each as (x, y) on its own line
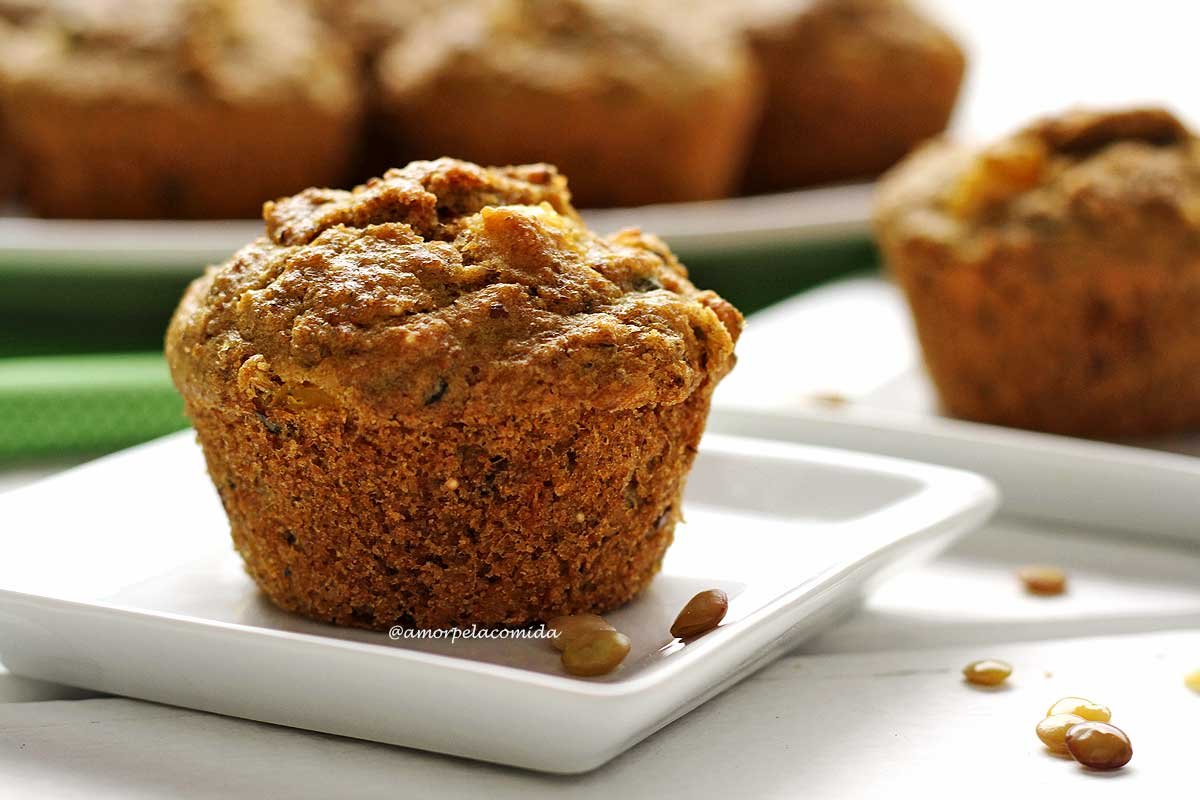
(874, 707)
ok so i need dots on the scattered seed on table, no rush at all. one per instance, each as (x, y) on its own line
(1043, 580)
(1093, 712)
(1053, 731)
(988, 672)
(1099, 745)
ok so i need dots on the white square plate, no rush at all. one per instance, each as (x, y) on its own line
(119, 576)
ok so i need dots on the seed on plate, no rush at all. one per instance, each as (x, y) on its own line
(1192, 680)
(597, 652)
(1053, 731)
(571, 626)
(988, 672)
(1093, 712)
(1099, 745)
(1043, 580)
(701, 614)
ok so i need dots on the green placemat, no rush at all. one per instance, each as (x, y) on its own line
(84, 404)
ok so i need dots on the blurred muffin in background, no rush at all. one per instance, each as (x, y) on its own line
(1054, 276)
(176, 108)
(636, 106)
(852, 86)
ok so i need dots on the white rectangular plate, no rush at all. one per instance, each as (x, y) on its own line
(118, 576)
(853, 340)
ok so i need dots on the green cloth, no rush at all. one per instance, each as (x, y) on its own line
(57, 405)
(81, 370)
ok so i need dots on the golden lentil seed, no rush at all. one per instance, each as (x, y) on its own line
(1099, 745)
(1093, 712)
(572, 626)
(1053, 731)
(597, 652)
(1192, 680)
(701, 614)
(988, 672)
(1043, 580)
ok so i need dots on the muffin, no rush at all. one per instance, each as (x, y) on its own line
(1054, 276)
(852, 86)
(176, 108)
(439, 399)
(635, 107)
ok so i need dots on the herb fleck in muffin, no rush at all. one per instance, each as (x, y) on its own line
(440, 399)
(176, 108)
(635, 106)
(852, 86)
(1054, 276)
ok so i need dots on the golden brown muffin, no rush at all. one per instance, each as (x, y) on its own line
(1054, 276)
(634, 107)
(852, 86)
(440, 399)
(177, 108)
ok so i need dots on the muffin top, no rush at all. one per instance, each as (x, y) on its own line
(163, 50)
(616, 48)
(445, 288)
(1107, 177)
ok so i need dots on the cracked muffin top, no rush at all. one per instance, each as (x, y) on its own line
(450, 289)
(1083, 176)
(155, 50)
(611, 48)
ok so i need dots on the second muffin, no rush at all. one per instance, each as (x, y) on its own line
(1054, 276)
(439, 399)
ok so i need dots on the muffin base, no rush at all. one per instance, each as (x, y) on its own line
(1109, 349)
(204, 160)
(434, 524)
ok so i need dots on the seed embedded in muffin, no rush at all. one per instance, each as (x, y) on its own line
(488, 369)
